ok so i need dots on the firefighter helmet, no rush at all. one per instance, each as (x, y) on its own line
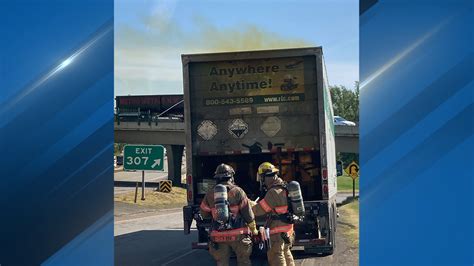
(266, 175)
(224, 171)
(267, 169)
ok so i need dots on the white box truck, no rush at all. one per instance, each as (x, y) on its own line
(245, 108)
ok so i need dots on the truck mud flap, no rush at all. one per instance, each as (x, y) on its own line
(187, 219)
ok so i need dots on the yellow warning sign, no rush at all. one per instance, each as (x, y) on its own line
(165, 186)
(352, 170)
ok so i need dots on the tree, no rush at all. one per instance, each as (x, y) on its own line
(118, 148)
(346, 104)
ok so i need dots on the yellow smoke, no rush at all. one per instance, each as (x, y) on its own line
(165, 34)
(149, 56)
(241, 37)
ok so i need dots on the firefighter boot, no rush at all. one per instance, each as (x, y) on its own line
(243, 250)
(280, 252)
(221, 254)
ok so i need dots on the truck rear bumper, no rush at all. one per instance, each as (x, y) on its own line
(312, 242)
(308, 247)
(199, 245)
(313, 246)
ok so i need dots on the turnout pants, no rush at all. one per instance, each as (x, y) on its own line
(280, 252)
(242, 249)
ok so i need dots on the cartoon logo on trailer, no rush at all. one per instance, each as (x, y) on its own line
(207, 129)
(289, 83)
(238, 128)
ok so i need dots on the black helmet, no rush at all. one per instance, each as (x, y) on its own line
(223, 172)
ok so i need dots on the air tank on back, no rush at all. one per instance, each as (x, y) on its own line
(221, 204)
(296, 198)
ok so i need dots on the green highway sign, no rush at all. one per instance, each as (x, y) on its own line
(143, 157)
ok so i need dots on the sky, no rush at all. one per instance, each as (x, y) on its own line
(151, 35)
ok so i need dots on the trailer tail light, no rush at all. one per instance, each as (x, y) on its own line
(189, 185)
(190, 196)
(325, 174)
(325, 190)
(189, 180)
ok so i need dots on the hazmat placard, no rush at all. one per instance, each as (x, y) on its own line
(207, 130)
(271, 126)
(238, 128)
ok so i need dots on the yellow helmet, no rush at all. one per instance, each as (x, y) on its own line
(266, 168)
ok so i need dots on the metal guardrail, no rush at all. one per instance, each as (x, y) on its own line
(147, 119)
(161, 126)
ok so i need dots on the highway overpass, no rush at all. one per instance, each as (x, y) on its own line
(171, 134)
(167, 132)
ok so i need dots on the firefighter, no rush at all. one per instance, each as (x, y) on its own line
(233, 221)
(275, 207)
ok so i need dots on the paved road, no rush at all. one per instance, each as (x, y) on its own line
(343, 196)
(120, 190)
(152, 237)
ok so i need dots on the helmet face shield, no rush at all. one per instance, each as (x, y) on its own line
(269, 178)
(266, 174)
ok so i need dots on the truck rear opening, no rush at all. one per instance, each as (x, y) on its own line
(301, 166)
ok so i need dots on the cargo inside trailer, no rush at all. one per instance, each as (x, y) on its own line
(303, 167)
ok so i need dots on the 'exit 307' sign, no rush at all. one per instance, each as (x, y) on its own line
(143, 157)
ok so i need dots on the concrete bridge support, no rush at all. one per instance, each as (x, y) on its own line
(174, 155)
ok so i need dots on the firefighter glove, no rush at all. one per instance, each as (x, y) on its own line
(253, 227)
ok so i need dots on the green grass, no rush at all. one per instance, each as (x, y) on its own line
(349, 222)
(344, 184)
(160, 200)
